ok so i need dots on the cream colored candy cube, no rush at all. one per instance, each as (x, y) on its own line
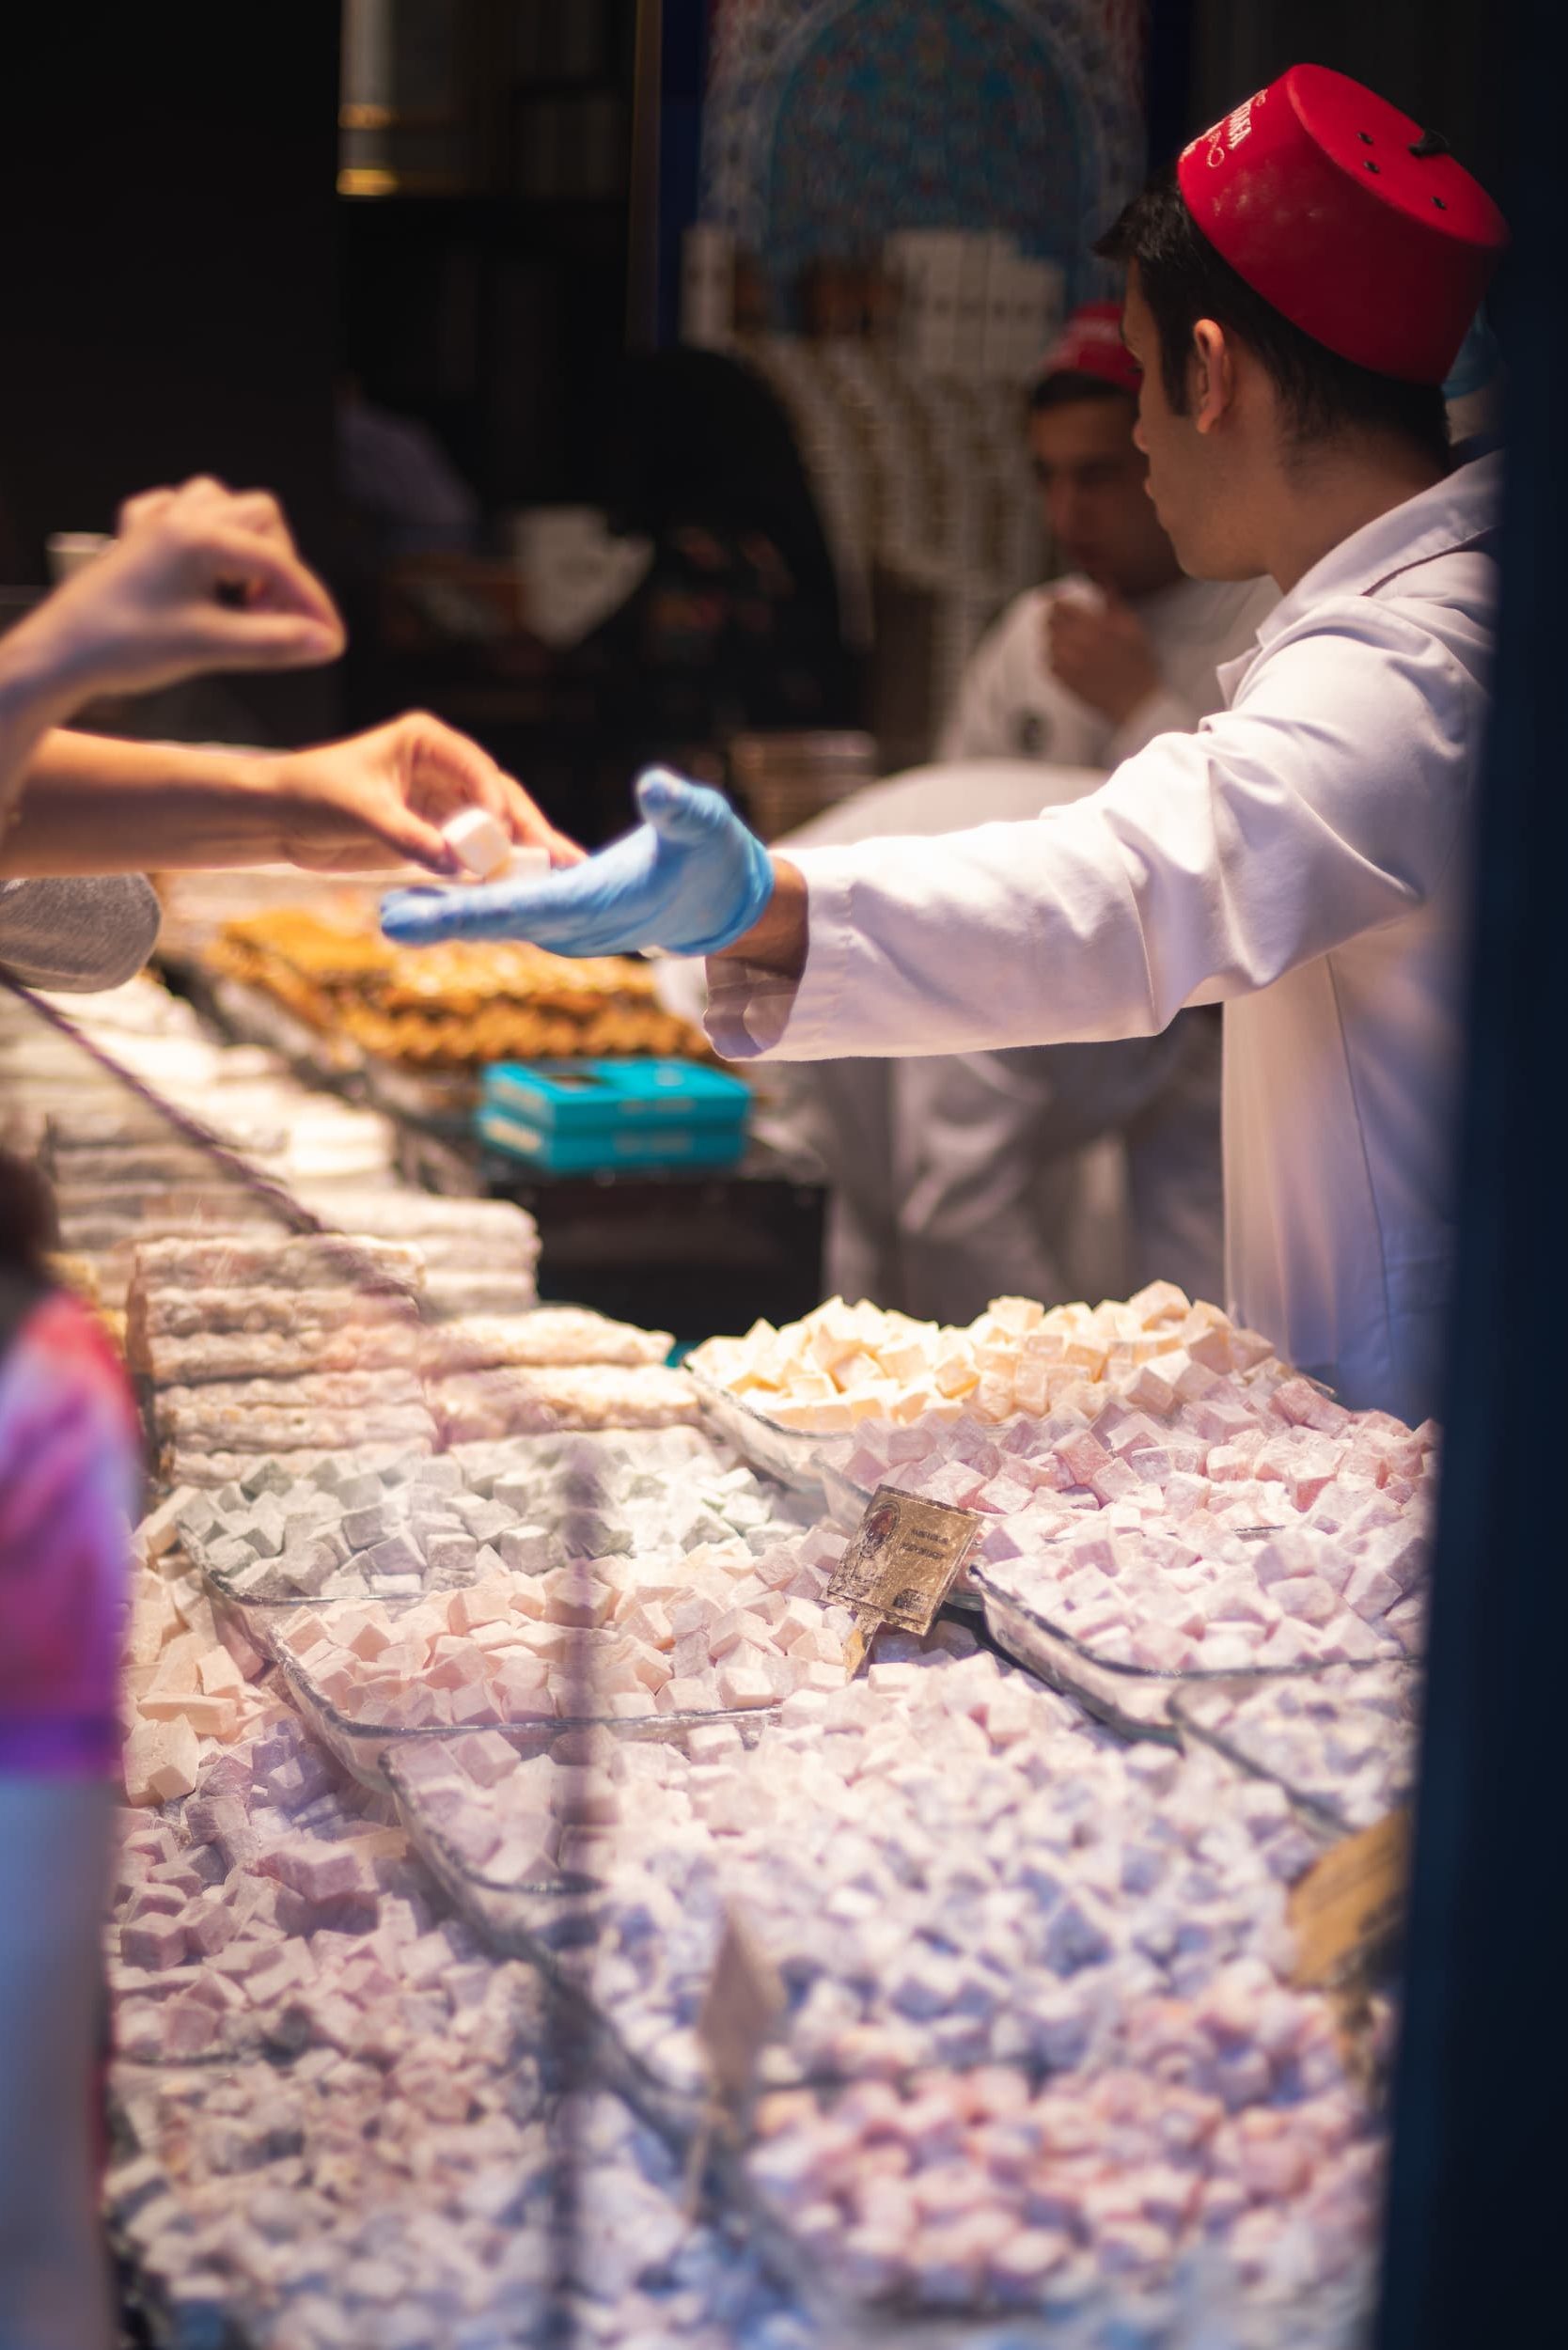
(163, 1761)
(1016, 1315)
(480, 842)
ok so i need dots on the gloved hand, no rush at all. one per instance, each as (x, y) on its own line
(691, 879)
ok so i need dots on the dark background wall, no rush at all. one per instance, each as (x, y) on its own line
(182, 283)
(167, 189)
(1442, 60)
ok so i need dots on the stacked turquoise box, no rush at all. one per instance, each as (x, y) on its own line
(587, 1117)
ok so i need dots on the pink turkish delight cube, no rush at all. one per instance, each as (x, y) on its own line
(954, 1483)
(1084, 1455)
(1004, 1496)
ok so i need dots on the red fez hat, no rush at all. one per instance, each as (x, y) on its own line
(1353, 222)
(1091, 344)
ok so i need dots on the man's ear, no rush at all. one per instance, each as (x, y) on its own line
(1211, 372)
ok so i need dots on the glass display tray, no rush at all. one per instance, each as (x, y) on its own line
(794, 1456)
(362, 1743)
(546, 1924)
(1245, 1746)
(258, 1620)
(1134, 1700)
(1205, 2305)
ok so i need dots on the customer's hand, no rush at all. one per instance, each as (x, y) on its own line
(691, 879)
(199, 578)
(380, 799)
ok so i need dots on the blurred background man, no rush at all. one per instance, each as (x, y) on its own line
(960, 1177)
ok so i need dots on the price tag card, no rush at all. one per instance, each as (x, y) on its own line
(1348, 1904)
(905, 1559)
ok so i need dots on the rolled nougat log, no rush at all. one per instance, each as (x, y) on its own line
(553, 1336)
(203, 1426)
(206, 1469)
(487, 1404)
(241, 1262)
(161, 1314)
(448, 1295)
(308, 1349)
(136, 1166)
(320, 1391)
(421, 1215)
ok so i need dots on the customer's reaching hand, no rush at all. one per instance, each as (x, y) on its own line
(691, 879)
(199, 578)
(379, 799)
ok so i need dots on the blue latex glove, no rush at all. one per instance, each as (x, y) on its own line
(1478, 361)
(690, 878)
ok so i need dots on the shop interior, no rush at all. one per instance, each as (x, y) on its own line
(569, 1886)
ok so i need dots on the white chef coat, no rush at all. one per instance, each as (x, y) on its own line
(955, 1175)
(1011, 705)
(1301, 859)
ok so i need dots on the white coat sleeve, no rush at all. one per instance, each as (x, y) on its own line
(1163, 712)
(1328, 801)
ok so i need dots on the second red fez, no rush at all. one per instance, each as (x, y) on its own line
(1091, 344)
(1349, 219)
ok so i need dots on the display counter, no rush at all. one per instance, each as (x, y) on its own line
(483, 1674)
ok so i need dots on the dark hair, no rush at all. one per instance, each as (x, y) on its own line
(27, 1231)
(1183, 278)
(1068, 385)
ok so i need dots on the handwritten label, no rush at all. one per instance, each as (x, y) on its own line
(1348, 1905)
(902, 1562)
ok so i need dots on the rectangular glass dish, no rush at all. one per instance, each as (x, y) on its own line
(1342, 1740)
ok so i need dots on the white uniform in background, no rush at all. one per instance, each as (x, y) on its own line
(1301, 859)
(1011, 706)
(959, 1177)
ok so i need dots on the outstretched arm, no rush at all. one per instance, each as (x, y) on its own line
(1206, 868)
(91, 804)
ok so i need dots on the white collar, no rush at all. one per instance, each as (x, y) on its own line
(1452, 514)
(1435, 522)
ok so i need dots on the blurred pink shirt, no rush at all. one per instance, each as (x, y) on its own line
(69, 1465)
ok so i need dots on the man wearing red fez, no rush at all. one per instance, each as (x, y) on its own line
(1296, 291)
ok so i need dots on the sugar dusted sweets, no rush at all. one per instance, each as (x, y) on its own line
(480, 842)
(1192, 1519)
(848, 1364)
(1342, 1742)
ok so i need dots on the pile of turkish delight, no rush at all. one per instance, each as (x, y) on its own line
(846, 1365)
(1051, 1971)
(946, 1861)
(1206, 1516)
(721, 1629)
(331, 2101)
(631, 1571)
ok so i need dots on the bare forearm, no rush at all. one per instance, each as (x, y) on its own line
(779, 941)
(91, 804)
(31, 703)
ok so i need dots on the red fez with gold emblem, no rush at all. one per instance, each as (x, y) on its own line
(1349, 219)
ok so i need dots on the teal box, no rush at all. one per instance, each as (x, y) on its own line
(583, 1117)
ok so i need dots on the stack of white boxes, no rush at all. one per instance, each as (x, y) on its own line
(708, 287)
(914, 445)
(972, 304)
